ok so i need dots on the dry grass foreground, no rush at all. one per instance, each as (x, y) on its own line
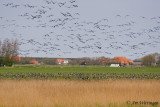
(47, 93)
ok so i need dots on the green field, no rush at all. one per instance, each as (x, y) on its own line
(79, 69)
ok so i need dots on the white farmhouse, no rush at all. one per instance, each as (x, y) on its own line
(114, 65)
(65, 62)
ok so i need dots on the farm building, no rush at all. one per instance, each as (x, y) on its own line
(65, 61)
(114, 65)
(33, 62)
(62, 61)
(123, 61)
(15, 58)
(137, 63)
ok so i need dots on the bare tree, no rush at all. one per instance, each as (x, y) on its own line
(15, 48)
(9, 48)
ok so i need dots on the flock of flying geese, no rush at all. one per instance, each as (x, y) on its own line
(67, 34)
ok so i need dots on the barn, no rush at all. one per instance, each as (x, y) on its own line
(33, 62)
(122, 61)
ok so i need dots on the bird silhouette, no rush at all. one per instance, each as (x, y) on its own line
(57, 28)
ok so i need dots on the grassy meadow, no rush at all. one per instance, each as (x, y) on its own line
(79, 69)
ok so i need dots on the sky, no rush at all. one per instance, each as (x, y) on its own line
(82, 28)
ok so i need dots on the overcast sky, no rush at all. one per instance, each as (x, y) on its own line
(82, 28)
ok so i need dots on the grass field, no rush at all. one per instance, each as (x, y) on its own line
(79, 69)
(79, 72)
(60, 93)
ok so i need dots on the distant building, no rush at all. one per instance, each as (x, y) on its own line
(122, 61)
(114, 65)
(137, 63)
(33, 62)
(65, 61)
(83, 63)
(61, 61)
(15, 58)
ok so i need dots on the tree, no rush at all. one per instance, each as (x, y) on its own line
(148, 60)
(8, 50)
